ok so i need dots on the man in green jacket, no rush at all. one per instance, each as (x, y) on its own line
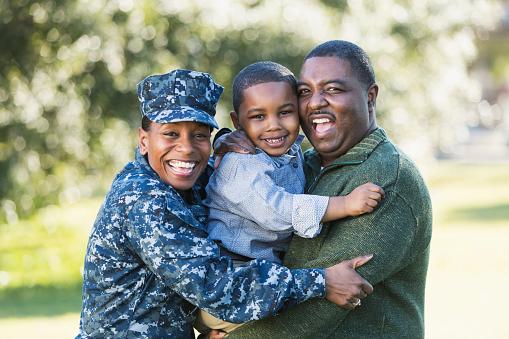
(337, 99)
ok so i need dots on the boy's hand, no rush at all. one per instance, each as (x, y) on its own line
(236, 141)
(344, 286)
(363, 199)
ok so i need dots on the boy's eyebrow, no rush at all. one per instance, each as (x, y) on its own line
(260, 109)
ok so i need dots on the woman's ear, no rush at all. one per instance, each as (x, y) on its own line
(235, 120)
(143, 141)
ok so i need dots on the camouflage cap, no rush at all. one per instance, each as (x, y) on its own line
(180, 95)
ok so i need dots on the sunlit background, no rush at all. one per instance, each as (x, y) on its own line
(69, 113)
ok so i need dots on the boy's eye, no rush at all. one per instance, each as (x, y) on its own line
(286, 112)
(257, 117)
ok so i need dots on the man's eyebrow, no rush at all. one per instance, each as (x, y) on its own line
(325, 82)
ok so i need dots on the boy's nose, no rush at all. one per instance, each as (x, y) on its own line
(273, 123)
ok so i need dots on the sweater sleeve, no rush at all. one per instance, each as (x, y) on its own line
(388, 233)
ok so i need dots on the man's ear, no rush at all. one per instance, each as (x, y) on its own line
(235, 120)
(143, 141)
(372, 94)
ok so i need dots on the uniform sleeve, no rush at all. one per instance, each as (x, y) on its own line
(388, 233)
(242, 186)
(189, 264)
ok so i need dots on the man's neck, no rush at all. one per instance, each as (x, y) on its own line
(327, 159)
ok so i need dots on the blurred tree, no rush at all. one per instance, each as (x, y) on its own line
(68, 71)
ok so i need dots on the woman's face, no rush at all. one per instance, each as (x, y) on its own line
(178, 152)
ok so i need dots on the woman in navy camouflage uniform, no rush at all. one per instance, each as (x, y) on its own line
(149, 263)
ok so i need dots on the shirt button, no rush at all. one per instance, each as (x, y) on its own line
(295, 165)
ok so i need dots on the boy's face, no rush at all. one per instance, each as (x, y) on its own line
(178, 152)
(268, 114)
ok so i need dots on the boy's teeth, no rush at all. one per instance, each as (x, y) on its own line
(182, 164)
(321, 120)
(274, 141)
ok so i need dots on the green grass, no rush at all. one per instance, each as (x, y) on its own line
(41, 260)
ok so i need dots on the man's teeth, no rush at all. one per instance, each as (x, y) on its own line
(321, 120)
(182, 164)
(275, 140)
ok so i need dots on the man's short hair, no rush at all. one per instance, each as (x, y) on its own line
(260, 73)
(358, 59)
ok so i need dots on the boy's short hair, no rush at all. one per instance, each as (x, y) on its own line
(356, 56)
(260, 73)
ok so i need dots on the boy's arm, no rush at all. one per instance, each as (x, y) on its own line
(362, 199)
(242, 186)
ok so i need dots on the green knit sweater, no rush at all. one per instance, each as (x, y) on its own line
(398, 233)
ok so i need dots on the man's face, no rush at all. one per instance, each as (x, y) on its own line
(177, 152)
(336, 109)
(268, 114)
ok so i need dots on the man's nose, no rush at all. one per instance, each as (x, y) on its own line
(317, 100)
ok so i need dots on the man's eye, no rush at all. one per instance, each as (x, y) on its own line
(171, 134)
(303, 92)
(333, 90)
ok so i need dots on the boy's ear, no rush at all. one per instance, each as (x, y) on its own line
(143, 141)
(235, 120)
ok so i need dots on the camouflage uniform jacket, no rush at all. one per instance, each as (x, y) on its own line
(150, 264)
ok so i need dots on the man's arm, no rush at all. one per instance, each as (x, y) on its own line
(388, 233)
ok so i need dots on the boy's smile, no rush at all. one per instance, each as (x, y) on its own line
(268, 114)
(178, 152)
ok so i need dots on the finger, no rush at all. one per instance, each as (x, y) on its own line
(217, 161)
(361, 260)
(375, 195)
(372, 203)
(366, 287)
(361, 294)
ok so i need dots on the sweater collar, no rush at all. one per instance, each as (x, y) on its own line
(356, 155)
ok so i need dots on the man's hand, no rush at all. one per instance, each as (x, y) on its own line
(213, 334)
(236, 141)
(344, 286)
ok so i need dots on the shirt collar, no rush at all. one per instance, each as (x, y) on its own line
(291, 154)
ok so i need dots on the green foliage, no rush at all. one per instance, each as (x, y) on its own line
(68, 71)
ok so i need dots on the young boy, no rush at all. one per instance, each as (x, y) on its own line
(149, 263)
(256, 201)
